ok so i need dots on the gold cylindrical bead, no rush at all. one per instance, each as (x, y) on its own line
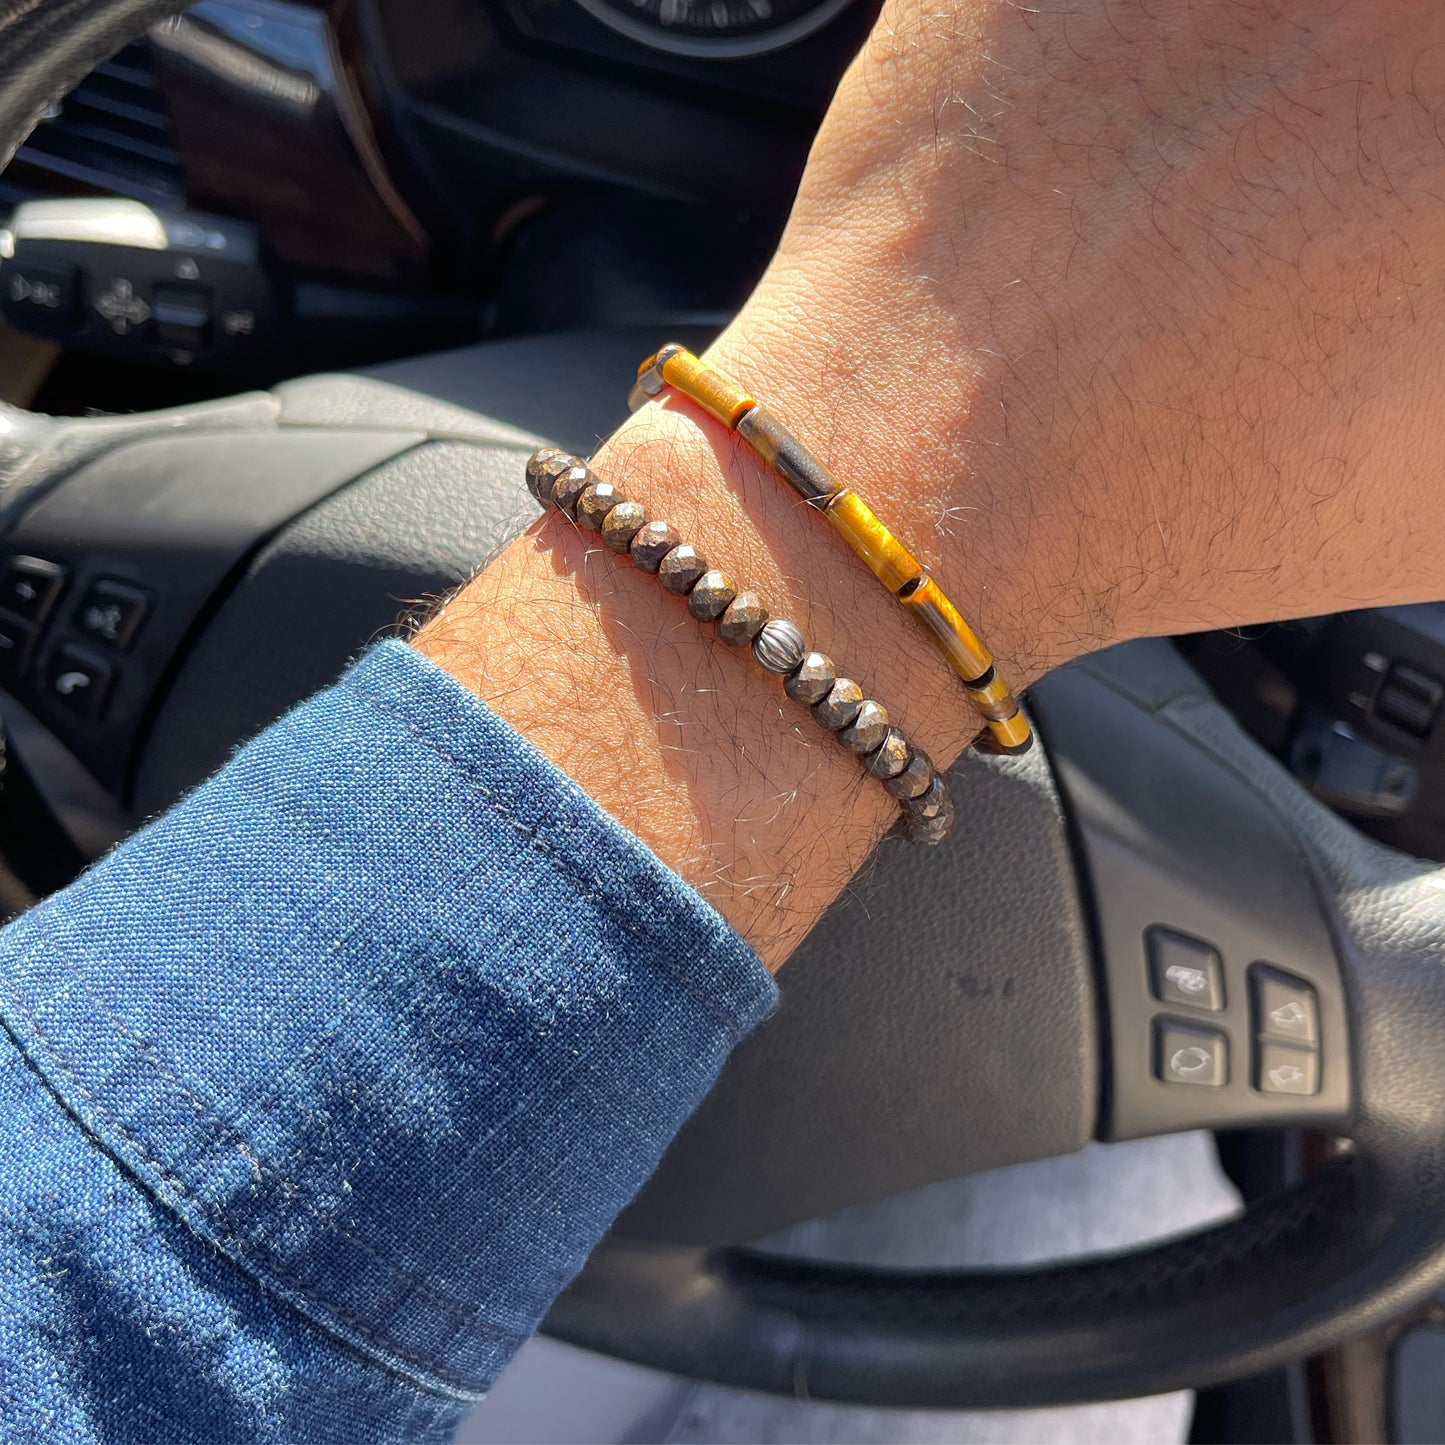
(994, 700)
(1012, 734)
(958, 642)
(887, 558)
(715, 393)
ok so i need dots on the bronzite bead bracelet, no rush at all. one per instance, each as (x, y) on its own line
(862, 726)
(888, 559)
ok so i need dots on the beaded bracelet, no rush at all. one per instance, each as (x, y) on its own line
(888, 559)
(558, 479)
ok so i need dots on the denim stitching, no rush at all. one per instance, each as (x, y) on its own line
(593, 889)
(433, 1381)
(244, 1238)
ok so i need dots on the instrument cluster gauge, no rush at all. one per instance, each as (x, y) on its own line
(718, 29)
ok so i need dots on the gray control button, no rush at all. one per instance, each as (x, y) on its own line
(1281, 1069)
(1184, 971)
(1284, 1007)
(1184, 1054)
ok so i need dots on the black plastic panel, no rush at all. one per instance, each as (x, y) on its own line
(172, 516)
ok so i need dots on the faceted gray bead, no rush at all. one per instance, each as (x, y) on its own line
(743, 620)
(779, 646)
(569, 486)
(680, 569)
(913, 780)
(654, 540)
(543, 469)
(812, 679)
(841, 704)
(891, 756)
(932, 800)
(595, 503)
(868, 730)
(622, 524)
(932, 828)
(711, 596)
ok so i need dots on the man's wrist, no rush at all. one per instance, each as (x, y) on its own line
(675, 733)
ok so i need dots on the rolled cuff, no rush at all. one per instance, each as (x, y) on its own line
(389, 1012)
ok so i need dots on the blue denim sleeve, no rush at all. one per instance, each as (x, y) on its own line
(315, 1092)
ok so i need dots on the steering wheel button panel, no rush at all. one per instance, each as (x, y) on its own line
(181, 317)
(1283, 1069)
(1284, 1007)
(29, 587)
(1187, 1054)
(1184, 971)
(77, 681)
(111, 613)
(41, 298)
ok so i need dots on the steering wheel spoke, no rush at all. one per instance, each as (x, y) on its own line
(1223, 1001)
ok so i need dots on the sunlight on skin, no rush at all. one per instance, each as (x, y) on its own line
(1130, 318)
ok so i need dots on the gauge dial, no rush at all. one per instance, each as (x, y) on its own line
(718, 28)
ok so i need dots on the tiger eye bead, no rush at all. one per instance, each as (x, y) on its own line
(568, 488)
(914, 780)
(779, 646)
(891, 756)
(680, 569)
(841, 705)
(595, 503)
(868, 730)
(654, 540)
(812, 679)
(711, 597)
(543, 469)
(743, 620)
(622, 524)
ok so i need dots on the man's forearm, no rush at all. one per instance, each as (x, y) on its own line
(1130, 318)
(680, 736)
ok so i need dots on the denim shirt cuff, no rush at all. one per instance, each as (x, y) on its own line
(390, 1013)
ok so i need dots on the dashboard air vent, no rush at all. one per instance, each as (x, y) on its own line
(110, 136)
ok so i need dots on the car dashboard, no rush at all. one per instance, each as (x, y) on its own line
(418, 173)
(347, 183)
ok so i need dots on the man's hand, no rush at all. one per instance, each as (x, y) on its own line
(1139, 305)
(1128, 316)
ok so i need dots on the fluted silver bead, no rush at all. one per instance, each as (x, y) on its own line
(779, 646)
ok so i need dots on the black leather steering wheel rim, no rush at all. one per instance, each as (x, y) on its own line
(1350, 1246)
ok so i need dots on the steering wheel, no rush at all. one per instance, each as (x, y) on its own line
(1146, 927)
